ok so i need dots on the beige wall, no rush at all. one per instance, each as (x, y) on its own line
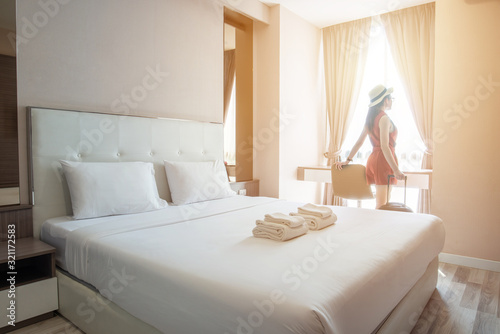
(92, 53)
(267, 104)
(466, 188)
(152, 57)
(302, 116)
(254, 9)
(288, 113)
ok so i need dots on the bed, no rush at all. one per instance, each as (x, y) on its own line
(196, 268)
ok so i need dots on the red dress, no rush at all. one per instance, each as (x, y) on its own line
(377, 167)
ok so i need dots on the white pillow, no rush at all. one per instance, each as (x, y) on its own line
(111, 188)
(192, 182)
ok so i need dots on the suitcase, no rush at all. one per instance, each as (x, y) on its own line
(394, 206)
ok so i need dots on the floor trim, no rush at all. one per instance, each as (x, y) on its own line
(470, 262)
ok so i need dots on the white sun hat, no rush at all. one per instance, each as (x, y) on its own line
(378, 93)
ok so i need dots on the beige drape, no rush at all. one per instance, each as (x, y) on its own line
(229, 69)
(345, 48)
(410, 33)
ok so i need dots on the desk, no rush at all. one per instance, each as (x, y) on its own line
(421, 179)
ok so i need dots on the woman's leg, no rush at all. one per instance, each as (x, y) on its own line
(381, 195)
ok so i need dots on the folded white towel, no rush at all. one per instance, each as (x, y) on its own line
(278, 232)
(315, 210)
(281, 218)
(316, 223)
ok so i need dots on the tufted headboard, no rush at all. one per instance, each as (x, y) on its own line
(86, 136)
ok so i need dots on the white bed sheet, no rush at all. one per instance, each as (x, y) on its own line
(210, 275)
(55, 230)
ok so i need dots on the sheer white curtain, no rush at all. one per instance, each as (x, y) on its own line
(410, 33)
(345, 47)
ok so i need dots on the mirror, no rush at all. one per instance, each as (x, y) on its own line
(229, 100)
(9, 155)
(238, 34)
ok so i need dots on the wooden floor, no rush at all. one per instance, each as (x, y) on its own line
(55, 325)
(466, 301)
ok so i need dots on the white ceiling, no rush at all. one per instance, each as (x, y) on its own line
(321, 13)
(324, 13)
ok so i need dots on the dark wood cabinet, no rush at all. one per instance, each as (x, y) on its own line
(19, 215)
(9, 165)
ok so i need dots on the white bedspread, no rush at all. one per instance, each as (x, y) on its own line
(209, 274)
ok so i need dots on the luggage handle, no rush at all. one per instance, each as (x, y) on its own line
(388, 187)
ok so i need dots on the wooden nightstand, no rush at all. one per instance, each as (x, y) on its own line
(248, 188)
(35, 294)
(20, 215)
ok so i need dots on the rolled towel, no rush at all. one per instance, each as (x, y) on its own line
(315, 210)
(317, 223)
(281, 218)
(278, 232)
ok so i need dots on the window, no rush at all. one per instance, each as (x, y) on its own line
(380, 69)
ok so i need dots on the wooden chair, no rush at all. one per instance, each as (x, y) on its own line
(350, 183)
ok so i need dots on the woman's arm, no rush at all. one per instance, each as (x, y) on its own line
(385, 128)
(354, 149)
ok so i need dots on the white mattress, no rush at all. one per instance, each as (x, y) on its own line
(199, 269)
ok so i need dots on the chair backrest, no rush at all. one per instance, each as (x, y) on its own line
(350, 182)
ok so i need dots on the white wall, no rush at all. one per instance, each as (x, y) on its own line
(92, 53)
(302, 116)
(288, 112)
(267, 104)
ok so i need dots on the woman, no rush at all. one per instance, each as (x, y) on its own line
(382, 132)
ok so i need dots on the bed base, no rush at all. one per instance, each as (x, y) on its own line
(87, 309)
(92, 313)
(404, 316)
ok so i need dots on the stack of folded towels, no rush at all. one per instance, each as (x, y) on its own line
(280, 227)
(316, 217)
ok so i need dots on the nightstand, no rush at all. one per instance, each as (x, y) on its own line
(33, 297)
(248, 188)
(21, 215)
